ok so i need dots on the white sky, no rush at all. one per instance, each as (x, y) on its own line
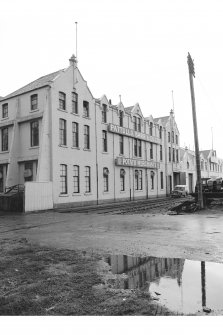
(134, 48)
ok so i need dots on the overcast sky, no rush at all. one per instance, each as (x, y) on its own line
(134, 48)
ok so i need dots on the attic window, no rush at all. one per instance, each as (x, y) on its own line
(4, 111)
(34, 102)
(62, 100)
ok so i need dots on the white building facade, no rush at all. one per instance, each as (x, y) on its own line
(53, 131)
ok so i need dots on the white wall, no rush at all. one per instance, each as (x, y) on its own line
(38, 196)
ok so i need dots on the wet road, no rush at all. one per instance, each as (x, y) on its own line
(193, 236)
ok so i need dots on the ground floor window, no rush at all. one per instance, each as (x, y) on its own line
(28, 171)
(105, 177)
(138, 179)
(63, 179)
(87, 179)
(152, 174)
(122, 179)
(161, 180)
(76, 178)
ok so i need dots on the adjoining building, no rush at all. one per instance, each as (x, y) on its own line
(70, 149)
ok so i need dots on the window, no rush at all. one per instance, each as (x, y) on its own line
(168, 136)
(62, 100)
(104, 113)
(151, 151)
(1, 178)
(160, 131)
(63, 179)
(188, 165)
(5, 139)
(76, 178)
(75, 134)
(137, 148)
(151, 129)
(138, 179)
(152, 174)
(177, 139)
(121, 144)
(202, 165)
(161, 152)
(172, 136)
(104, 141)
(63, 132)
(87, 179)
(28, 171)
(86, 137)
(173, 155)
(122, 179)
(85, 108)
(161, 180)
(34, 130)
(136, 123)
(105, 177)
(74, 103)
(34, 102)
(169, 154)
(177, 155)
(4, 111)
(121, 118)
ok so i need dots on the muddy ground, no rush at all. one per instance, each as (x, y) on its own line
(49, 261)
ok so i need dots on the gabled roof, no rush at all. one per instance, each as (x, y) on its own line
(129, 109)
(205, 153)
(38, 83)
(163, 119)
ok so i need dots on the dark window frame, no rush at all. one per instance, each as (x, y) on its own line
(104, 113)
(63, 179)
(104, 141)
(86, 137)
(75, 134)
(5, 110)
(121, 144)
(62, 101)
(34, 133)
(74, 103)
(86, 111)
(76, 179)
(63, 132)
(87, 178)
(34, 102)
(5, 139)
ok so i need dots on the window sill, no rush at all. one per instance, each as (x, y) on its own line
(34, 147)
(62, 110)
(63, 195)
(87, 193)
(62, 146)
(76, 114)
(86, 117)
(105, 123)
(121, 155)
(105, 152)
(76, 194)
(5, 118)
(77, 148)
(122, 191)
(86, 149)
(34, 110)
(4, 152)
(138, 191)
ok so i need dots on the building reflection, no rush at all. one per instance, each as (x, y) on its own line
(139, 272)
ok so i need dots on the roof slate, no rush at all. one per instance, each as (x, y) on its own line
(38, 83)
(163, 119)
(129, 109)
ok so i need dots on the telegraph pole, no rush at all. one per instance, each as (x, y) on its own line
(197, 153)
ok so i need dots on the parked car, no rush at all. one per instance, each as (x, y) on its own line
(179, 191)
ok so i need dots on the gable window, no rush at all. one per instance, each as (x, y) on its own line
(104, 113)
(76, 178)
(136, 123)
(173, 155)
(121, 144)
(105, 177)
(86, 109)
(5, 143)
(74, 103)
(63, 132)
(75, 134)
(160, 132)
(63, 179)
(151, 129)
(87, 179)
(121, 118)
(86, 137)
(104, 141)
(62, 100)
(172, 136)
(122, 179)
(4, 111)
(34, 132)
(34, 102)
(177, 139)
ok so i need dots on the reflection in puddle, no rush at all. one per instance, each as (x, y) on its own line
(181, 285)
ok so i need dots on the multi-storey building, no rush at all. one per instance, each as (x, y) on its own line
(83, 150)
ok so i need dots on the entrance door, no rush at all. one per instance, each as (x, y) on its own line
(190, 182)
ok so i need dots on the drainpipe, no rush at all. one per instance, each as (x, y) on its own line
(96, 150)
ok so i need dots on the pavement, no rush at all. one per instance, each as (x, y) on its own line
(196, 236)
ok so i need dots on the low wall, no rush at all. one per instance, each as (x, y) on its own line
(38, 196)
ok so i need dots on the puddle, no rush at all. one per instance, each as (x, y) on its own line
(183, 286)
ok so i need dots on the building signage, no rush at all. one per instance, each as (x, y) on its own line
(132, 162)
(113, 128)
